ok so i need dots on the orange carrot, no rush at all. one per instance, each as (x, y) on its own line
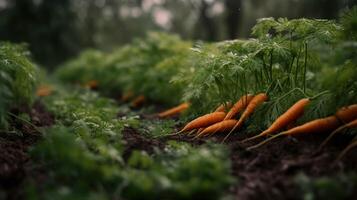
(127, 96)
(347, 149)
(253, 104)
(319, 125)
(239, 106)
(222, 126)
(200, 130)
(175, 110)
(347, 114)
(223, 107)
(291, 115)
(352, 124)
(92, 84)
(44, 90)
(138, 101)
(204, 121)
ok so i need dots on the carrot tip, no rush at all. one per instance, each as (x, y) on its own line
(251, 138)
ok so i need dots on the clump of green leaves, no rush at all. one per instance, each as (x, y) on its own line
(17, 78)
(85, 68)
(144, 67)
(338, 187)
(349, 23)
(180, 172)
(283, 57)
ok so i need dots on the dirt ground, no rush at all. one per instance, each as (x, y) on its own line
(14, 157)
(263, 173)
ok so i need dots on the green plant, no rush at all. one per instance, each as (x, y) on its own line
(17, 79)
(337, 187)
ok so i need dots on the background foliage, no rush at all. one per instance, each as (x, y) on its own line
(59, 29)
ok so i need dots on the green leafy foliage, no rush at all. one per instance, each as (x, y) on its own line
(17, 78)
(83, 69)
(338, 187)
(83, 155)
(180, 172)
(144, 67)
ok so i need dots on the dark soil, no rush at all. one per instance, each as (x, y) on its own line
(136, 141)
(14, 158)
(268, 172)
(264, 173)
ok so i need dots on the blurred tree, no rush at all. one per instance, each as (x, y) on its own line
(233, 17)
(48, 26)
(206, 21)
(58, 29)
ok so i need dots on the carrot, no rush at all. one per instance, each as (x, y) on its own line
(223, 107)
(318, 125)
(352, 124)
(347, 149)
(253, 104)
(174, 111)
(347, 114)
(222, 126)
(204, 121)
(44, 90)
(138, 101)
(92, 84)
(239, 106)
(127, 96)
(200, 130)
(291, 115)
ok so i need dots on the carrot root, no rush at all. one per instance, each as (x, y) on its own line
(266, 141)
(347, 149)
(323, 144)
(252, 138)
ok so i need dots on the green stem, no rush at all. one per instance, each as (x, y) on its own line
(297, 67)
(266, 141)
(305, 66)
(271, 65)
(319, 94)
(27, 122)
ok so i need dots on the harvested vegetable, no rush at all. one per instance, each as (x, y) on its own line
(44, 90)
(290, 116)
(326, 124)
(222, 126)
(138, 101)
(223, 107)
(204, 121)
(253, 104)
(319, 125)
(347, 149)
(347, 114)
(175, 110)
(92, 84)
(352, 124)
(127, 96)
(239, 106)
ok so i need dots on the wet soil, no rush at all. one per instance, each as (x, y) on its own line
(264, 173)
(135, 141)
(14, 157)
(268, 172)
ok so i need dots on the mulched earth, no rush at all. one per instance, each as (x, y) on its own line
(135, 141)
(264, 173)
(268, 172)
(14, 158)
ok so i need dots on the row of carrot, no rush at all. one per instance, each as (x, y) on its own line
(222, 121)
